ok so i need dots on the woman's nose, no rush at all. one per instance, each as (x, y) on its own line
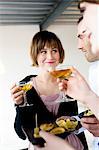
(49, 55)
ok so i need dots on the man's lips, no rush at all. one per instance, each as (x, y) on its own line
(83, 50)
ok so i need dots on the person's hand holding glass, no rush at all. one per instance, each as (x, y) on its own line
(76, 86)
(18, 92)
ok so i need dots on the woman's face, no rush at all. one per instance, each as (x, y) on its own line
(48, 58)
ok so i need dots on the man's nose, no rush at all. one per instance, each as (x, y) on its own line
(80, 44)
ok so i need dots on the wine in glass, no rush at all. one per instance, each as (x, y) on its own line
(62, 73)
(25, 86)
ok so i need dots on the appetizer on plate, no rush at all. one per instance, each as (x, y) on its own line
(68, 123)
(62, 127)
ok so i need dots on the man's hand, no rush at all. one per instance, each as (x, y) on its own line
(91, 124)
(75, 87)
(53, 142)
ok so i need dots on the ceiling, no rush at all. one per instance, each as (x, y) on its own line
(40, 12)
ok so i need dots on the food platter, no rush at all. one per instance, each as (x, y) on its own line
(61, 127)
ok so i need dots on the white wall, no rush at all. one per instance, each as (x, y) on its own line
(15, 64)
(14, 47)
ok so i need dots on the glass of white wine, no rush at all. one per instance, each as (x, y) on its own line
(62, 72)
(25, 86)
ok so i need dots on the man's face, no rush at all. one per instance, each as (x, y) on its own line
(84, 43)
(88, 30)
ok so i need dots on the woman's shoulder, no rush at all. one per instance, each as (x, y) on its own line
(28, 78)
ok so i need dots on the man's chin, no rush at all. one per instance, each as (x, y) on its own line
(91, 59)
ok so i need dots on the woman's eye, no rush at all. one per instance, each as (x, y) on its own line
(43, 52)
(55, 50)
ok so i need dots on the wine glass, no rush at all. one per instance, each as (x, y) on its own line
(25, 86)
(63, 72)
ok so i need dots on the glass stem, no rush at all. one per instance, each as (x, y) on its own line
(64, 99)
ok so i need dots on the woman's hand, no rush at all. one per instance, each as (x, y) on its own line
(17, 94)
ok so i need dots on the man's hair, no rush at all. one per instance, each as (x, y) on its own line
(89, 1)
